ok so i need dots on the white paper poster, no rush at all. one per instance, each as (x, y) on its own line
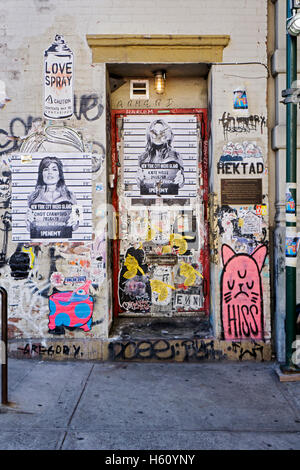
(58, 80)
(51, 197)
(160, 156)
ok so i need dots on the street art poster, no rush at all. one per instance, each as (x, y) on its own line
(51, 197)
(134, 283)
(242, 294)
(160, 156)
(290, 205)
(292, 244)
(240, 100)
(241, 158)
(72, 309)
(58, 83)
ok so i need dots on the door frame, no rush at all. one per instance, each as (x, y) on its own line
(201, 114)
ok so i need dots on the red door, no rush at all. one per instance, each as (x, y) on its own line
(160, 256)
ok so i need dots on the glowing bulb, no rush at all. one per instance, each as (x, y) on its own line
(159, 82)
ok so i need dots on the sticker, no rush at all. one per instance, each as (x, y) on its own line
(99, 187)
(57, 278)
(261, 209)
(292, 245)
(191, 301)
(240, 99)
(26, 158)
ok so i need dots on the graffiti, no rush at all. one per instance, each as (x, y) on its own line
(161, 289)
(29, 250)
(3, 98)
(194, 349)
(242, 228)
(239, 152)
(51, 138)
(241, 294)
(159, 349)
(71, 309)
(37, 349)
(137, 305)
(241, 168)
(88, 107)
(239, 347)
(241, 159)
(17, 127)
(190, 274)
(27, 305)
(19, 264)
(134, 284)
(179, 241)
(242, 124)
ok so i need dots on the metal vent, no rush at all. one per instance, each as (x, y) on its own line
(139, 89)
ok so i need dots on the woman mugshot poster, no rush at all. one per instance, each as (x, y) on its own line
(160, 156)
(51, 197)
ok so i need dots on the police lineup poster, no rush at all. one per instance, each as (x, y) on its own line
(51, 197)
(160, 156)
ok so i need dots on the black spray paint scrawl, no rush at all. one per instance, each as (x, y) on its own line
(19, 264)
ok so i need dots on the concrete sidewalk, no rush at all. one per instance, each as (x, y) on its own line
(149, 406)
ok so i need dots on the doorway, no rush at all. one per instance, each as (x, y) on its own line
(160, 196)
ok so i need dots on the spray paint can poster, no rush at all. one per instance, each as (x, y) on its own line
(58, 80)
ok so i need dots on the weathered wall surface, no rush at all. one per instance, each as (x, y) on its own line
(239, 227)
(27, 29)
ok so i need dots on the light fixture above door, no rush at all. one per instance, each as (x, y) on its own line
(159, 81)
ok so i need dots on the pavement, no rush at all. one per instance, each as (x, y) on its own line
(149, 406)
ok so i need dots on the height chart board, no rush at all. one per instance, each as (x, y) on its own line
(51, 197)
(160, 156)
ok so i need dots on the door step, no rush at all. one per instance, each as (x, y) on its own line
(161, 327)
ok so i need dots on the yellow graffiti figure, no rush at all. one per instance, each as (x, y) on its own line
(29, 250)
(161, 288)
(151, 232)
(190, 274)
(133, 267)
(178, 241)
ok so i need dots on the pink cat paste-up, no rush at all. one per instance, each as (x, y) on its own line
(241, 294)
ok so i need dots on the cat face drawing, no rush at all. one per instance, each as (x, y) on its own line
(241, 294)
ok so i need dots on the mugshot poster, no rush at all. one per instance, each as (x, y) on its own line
(51, 197)
(160, 156)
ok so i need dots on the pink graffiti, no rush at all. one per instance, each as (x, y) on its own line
(241, 294)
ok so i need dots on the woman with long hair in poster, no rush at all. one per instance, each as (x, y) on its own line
(51, 189)
(159, 154)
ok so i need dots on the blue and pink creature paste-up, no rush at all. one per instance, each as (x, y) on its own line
(71, 309)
